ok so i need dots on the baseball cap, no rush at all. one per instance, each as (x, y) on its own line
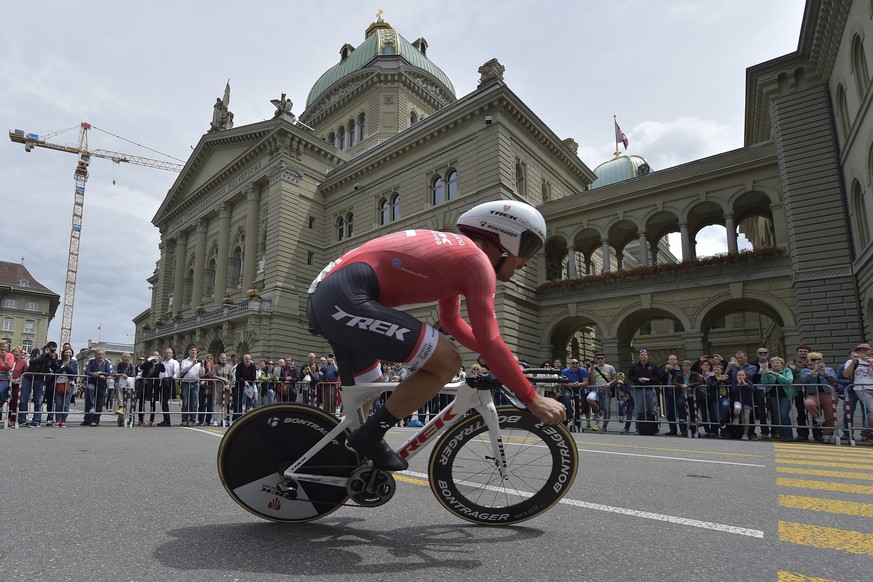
(863, 347)
(644, 351)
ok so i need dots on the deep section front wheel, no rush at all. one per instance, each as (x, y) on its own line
(541, 463)
(257, 449)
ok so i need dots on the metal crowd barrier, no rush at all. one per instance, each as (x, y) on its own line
(44, 399)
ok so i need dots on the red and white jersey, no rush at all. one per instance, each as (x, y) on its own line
(422, 266)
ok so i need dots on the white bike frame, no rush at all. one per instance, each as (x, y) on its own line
(354, 397)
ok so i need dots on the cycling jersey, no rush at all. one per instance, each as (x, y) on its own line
(416, 266)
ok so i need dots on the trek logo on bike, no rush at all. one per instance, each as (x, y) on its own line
(385, 328)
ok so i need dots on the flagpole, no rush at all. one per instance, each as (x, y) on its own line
(615, 125)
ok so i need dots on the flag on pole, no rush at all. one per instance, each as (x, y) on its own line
(619, 135)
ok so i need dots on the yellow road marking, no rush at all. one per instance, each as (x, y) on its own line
(822, 449)
(827, 505)
(836, 474)
(848, 459)
(794, 577)
(829, 538)
(412, 480)
(817, 463)
(824, 485)
(698, 451)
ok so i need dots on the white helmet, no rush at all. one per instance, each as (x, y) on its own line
(518, 228)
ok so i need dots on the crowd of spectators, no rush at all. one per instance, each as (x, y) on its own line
(762, 398)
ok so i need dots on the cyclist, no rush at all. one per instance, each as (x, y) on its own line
(352, 302)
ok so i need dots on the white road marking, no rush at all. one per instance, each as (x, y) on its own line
(672, 458)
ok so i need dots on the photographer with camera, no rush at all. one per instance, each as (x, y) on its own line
(97, 371)
(189, 372)
(858, 370)
(36, 381)
(820, 381)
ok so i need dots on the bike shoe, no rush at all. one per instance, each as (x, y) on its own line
(379, 452)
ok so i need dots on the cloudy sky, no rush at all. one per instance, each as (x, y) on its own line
(673, 71)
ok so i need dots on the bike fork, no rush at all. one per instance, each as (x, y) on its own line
(489, 414)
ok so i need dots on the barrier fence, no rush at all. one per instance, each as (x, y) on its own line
(772, 410)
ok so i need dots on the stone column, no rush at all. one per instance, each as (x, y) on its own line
(571, 262)
(199, 262)
(253, 196)
(604, 248)
(644, 250)
(541, 266)
(692, 345)
(687, 253)
(224, 211)
(164, 277)
(731, 233)
(179, 271)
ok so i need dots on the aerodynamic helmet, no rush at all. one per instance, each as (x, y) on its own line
(518, 228)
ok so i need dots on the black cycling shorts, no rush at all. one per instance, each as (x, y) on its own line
(345, 309)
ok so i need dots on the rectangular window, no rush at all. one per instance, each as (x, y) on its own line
(32, 306)
(10, 303)
(29, 325)
(311, 222)
(310, 257)
(8, 324)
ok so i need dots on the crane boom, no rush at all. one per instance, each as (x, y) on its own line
(31, 140)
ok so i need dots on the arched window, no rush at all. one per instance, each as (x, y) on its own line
(331, 139)
(520, 183)
(341, 138)
(413, 118)
(340, 228)
(351, 133)
(383, 212)
(436, 188)
(452, 185)
(395, 207)
(350, 218)
(859, 212)
(859, 67)
(842, 110)
(362, 127)
(209, 276)
(188, 286)
(237, 258)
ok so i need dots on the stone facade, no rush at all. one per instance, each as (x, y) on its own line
(261, 208)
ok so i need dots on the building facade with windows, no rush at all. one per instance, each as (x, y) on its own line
(385, 144)
(26, 307)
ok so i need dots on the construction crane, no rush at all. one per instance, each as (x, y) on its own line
(32, 140)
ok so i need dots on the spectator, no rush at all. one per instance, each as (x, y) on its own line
(189, 374)
(577, 379)
(97, 372)
(207, 391)
(742, 397)
(36, 381)
(168, 383)
(706, 397)
(796, 365)
(246, 374)
(64, 386)
(685, 383)
(152, 369)
(820, 381)
(125, 374)
(720, 387)
(858, 370)
(759, 411)
(643, 376)
(268, 377)
(17, 371)
(7, 363)
(667, 380)
(776, 381)
(603, 377)
(625, 398)
(224, 381)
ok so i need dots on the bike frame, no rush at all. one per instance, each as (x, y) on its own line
(354, 397)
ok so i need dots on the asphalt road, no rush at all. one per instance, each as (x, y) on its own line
(111, 503)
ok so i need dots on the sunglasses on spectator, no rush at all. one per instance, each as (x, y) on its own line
(599, 357)
(815, 359)
(763, 353)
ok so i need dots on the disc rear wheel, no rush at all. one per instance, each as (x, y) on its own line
(257, 449)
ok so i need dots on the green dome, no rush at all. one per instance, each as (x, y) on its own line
(382, 40)
(619, 169)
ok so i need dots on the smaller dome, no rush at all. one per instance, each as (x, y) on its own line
(619, 169)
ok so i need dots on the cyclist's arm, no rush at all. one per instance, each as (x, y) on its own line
(449, 310)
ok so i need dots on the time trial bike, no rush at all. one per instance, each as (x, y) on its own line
(490, 464)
